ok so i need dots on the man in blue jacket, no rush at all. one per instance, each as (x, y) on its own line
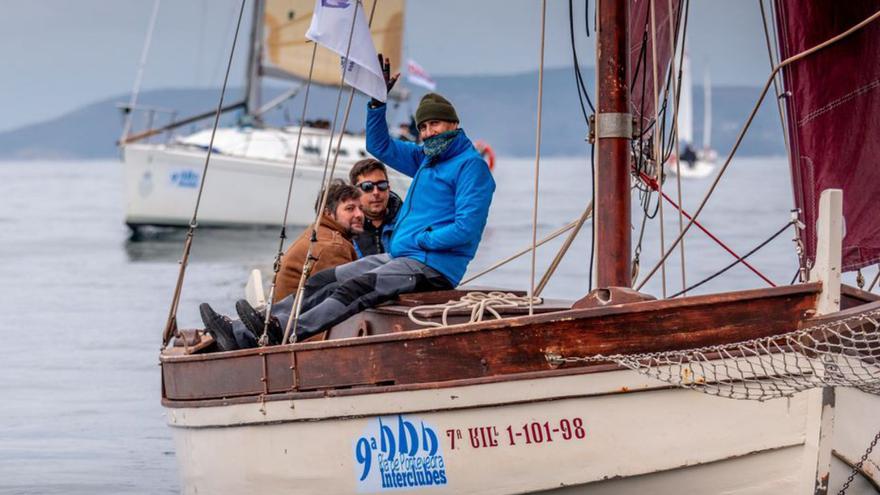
(438, 228)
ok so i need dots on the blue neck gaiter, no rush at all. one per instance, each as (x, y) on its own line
(434, 146)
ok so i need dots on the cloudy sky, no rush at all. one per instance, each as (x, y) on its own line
(56, 55)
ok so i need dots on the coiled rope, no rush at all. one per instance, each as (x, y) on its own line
(479, 303)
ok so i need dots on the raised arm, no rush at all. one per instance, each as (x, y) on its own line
(401, 156)
(473, 195)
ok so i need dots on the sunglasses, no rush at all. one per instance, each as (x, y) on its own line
(368, 185)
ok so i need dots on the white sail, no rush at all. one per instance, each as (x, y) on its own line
(686, 105)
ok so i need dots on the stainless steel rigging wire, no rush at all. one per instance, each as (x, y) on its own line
(276, 266)
(171, 323)
(135, 91)
(537, 158)
(290, 327)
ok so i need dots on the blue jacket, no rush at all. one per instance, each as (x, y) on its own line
(442, 219)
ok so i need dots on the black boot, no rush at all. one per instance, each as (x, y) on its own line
(220, 327)
(254, 322)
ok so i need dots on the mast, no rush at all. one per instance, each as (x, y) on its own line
(707, 111)
(255, 55)
(613, 135)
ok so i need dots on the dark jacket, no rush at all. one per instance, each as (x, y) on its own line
(332, 248)
(376, 240)
(442, 220)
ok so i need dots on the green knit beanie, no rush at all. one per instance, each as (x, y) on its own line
(435, 107)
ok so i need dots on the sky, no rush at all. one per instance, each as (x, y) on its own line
(57, 55)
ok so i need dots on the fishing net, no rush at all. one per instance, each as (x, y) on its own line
(845, 353)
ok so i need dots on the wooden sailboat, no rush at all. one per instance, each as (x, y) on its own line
(547, 402)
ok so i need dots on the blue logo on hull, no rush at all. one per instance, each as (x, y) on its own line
(399, 453)
(186, 178)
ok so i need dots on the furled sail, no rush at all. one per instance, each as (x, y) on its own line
(287, 52)
(641, 53)
(833, 113)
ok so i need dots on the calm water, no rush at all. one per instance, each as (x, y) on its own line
(83, 308)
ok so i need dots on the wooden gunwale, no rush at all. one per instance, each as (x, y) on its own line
(348, 392)
(630, 308)
(485, 352)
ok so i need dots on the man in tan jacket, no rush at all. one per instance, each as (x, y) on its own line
(342, 218)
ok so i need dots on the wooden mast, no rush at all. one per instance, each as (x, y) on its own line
(613, 135)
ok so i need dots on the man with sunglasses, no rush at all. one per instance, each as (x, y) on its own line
(439, 226)
(379, 204)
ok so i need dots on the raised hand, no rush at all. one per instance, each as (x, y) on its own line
(385, 64)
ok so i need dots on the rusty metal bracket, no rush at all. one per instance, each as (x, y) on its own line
(591, 131)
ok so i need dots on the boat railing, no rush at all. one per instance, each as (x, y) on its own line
(144, 118)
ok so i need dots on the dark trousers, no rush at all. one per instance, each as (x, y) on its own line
(333, 295)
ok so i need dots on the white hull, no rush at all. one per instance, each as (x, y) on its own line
(638, 437)
(243, 186)
(699, 170)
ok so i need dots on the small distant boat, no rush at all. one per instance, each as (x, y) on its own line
(694, 163)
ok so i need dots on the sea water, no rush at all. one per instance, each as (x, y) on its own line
(83, 307)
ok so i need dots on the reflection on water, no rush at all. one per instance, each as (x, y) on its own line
(84, 306)
(256, 245)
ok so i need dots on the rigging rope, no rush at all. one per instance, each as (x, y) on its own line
(290, 327)
(527, 249)
(276, 266)
(650, 182)
(802, 262)
(874, 282)
(563, 249)
(657, 144)
(537, 156)
(171, 323)
(676, 89)
(745, 128)
(578, 77)
(738, 261)
(132, 102)
(479, 303)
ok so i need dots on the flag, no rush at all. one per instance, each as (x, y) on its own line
(415, 74)
(330, 27)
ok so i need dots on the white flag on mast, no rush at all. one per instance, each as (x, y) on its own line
(330, 27)
(417, 75)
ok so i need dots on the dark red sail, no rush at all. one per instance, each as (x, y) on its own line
(641, 65)
(833, 111)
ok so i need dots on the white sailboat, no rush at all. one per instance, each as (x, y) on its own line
(251, 164)
(694, 163)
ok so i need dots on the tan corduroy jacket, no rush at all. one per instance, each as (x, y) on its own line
(333, 248)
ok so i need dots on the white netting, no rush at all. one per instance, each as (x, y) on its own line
(842, 353)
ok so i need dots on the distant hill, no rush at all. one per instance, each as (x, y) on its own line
(499, 109)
